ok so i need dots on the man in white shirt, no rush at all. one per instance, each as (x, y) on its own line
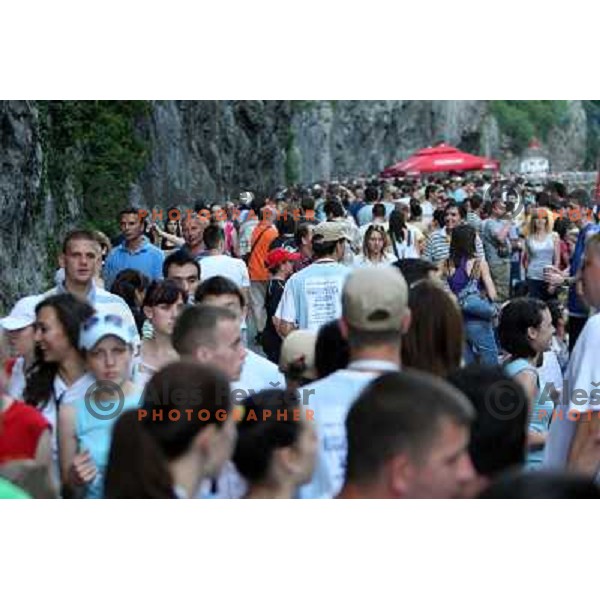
(408, 437)
(79, 255)
(312, 297)
(574, 439)
(216, 262)
(253, 374)
(257, 372)
(375, 315)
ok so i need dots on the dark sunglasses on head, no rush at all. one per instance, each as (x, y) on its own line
(95, 319)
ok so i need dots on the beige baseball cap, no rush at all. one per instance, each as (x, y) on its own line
(298, 354)
(331, 231)
(375, 299)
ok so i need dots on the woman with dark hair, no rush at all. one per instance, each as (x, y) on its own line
(131, 285)
(168, 457)
(163, 303)
(438, 220)
(332, 351)
(469, 280)
(561, 228)
(525, 331)
(416, 216)
(171, 238)
(58, 364)
(434, 341)
(277, 445)
(403, 238)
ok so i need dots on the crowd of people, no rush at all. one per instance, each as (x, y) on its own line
(408, 338)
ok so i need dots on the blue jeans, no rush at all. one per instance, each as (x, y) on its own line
(481, 344)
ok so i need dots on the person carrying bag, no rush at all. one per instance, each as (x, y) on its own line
(469, 279)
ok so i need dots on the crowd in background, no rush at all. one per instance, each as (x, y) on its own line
(356, 339)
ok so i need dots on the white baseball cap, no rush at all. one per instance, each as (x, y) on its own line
(22, 315)
(100, 325)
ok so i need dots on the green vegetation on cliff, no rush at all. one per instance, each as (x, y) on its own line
(523, 120)
(92, 152)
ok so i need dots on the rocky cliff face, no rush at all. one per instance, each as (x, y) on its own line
(22, 226)
(344, 138)
(212, 150)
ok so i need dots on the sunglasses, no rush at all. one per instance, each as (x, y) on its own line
(94, 320)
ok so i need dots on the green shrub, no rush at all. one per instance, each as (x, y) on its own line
(94, 145)
(523, 120)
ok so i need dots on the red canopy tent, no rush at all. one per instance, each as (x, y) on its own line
(440, 158)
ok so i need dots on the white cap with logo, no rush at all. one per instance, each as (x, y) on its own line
(22, 315)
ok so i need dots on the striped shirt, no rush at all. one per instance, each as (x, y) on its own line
(437, 248)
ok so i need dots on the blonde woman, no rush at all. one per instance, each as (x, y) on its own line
(105, 248)
(542, 250)
(375, 248)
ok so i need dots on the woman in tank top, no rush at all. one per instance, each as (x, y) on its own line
(542, 249)
(462, 270)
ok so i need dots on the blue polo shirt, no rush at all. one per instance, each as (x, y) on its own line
(147, 259)
(576, 308)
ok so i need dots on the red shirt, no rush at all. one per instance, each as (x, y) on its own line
(21, 427)
(9, 366)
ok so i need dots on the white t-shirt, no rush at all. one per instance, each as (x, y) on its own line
(331, 399)
(234, 269)
(313, 296)
(580, 394)
(63, 395)
(427, 210)
(16, 385)
(363, 261)
(258, 374)
(404, 250)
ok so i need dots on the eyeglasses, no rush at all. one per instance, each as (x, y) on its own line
(94, 320)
